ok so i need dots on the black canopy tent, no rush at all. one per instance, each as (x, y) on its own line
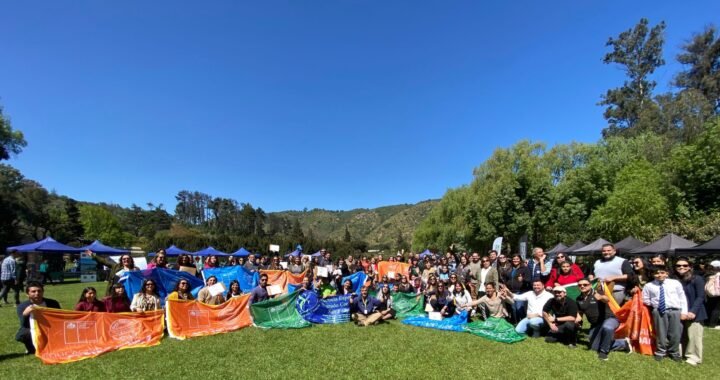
(578, 244)
(557, 249)
(665, 245)
(628, 244)
(710, 247)
(594, 247)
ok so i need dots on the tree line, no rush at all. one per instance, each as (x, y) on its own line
(656, 168)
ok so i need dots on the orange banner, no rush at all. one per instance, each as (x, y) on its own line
(187, 319)
(282, 278)
(635, 323)
(63, 336)
(392, 268)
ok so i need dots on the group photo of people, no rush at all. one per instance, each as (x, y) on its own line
(531, 294)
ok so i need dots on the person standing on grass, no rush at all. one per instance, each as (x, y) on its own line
(159, 261)
(536, 300)
(694, 288)
(35, 292)
(560, 314)
(593, 305)
(613, 269)
(540, 265)
(44, 270)
(127, 264)
(364, 309)
(9, 277)
(666, 298)
(712, 292)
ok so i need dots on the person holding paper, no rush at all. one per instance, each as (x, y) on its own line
(364, 309)
(260, 292)
(212, 293)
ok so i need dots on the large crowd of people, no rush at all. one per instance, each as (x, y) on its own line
(530, 293)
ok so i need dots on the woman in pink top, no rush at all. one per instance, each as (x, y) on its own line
(89, 302)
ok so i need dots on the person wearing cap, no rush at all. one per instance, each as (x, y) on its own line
(560, 314)
(536, 300)
(593, 304)
(666, 297)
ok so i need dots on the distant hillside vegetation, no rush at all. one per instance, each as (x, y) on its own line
(382, 227)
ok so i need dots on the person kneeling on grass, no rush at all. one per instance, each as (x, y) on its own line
(385, 303)
(536, 300)
(560, 314)
(492, 304)
(442, 302)
(206, 297)
(118, 301)
(593, 304)
(364, 309)
(35, 293)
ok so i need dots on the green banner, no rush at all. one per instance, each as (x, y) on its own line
(407, 304)
(278, 313)
(496, 329)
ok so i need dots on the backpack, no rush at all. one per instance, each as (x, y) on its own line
(712, 286)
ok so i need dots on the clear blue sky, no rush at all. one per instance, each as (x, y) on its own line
(293, 104)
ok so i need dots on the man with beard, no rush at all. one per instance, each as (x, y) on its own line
(614, 269)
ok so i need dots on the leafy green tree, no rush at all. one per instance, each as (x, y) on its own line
(347, 238)
(639, 52)
(636, 205)
(100, 224)
(11, 182)
(11, 141)
(696, 168)
(701, 55)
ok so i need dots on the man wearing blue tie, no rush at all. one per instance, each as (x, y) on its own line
(666, 298)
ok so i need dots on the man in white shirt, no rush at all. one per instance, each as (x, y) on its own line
(666, 298)
(536, 299)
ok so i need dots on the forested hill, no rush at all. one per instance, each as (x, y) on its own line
(382, 227)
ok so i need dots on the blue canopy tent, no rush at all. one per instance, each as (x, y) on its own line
(242, 252)
(47, 245)
(210, 251)
(294, 253)
(425, 253)
(175, 251)
(100, 248)
(316, 254)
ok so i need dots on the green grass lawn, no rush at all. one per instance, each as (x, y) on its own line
(341, 351)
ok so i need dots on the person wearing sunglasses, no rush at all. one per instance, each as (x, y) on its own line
(593, 304)
(147, 298)
(117, 270)
(694, 287)
(556, 272)
(641, 274)
(181, 292)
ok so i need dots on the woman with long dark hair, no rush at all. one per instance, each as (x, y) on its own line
(118, 301)
(88, 301)
(147, 298)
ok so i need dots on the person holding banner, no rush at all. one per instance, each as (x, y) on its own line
(159, 261)
(35, 292)
(117, 270)
(260, 293)
(118, 301)
(347, 288)
(88, 301)
(211, 294)
(615, 269)
(147, 298)
(363, 309)
(181, 292)
(234, 291)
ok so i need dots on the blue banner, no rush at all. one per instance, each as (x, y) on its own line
(357, 279)
(454, 323)
(313, 309)
(248, 280)
(165, 281)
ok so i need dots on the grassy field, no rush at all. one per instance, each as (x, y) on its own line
(341, 351)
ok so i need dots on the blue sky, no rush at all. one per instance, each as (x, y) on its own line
(317, 104)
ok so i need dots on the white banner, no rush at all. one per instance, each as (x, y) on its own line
(497, 245)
